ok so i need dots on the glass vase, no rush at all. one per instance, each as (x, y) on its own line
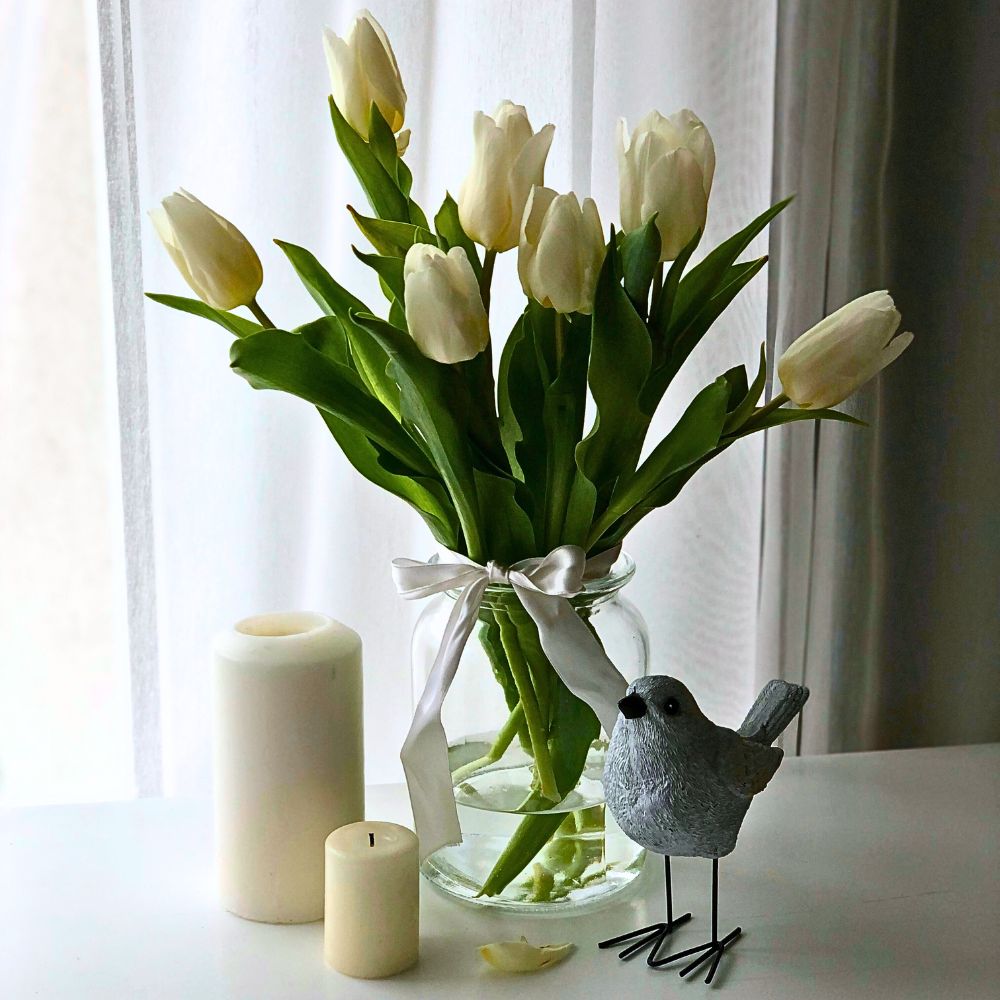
(527, 756)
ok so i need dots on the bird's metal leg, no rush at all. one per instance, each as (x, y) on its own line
(713, 949)
(655, 934)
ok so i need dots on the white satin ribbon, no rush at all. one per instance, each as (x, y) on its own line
(542, 586)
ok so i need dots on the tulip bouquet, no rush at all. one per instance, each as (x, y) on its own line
(499, 460)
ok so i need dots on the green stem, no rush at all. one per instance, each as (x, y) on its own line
(504, 739)
(657, 288)
(560, 329)
(542, 673)
(486, 281)
(758, 415)
(526, 692)
(260, 315)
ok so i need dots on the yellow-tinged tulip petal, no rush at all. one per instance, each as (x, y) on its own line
(519, 956)
(508, 160)
(213, 256)
(363, 71)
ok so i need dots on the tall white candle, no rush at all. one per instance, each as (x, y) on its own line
(289, 759)
(372, 900)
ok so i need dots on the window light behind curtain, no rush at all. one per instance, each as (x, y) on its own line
(253, 507)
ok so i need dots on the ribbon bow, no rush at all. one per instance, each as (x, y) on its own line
(543, 586)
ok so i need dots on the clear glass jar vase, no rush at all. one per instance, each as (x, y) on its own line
(527, 756)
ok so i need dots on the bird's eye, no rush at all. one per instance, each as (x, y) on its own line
(671, 706)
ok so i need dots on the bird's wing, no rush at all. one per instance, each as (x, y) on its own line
(776, 705)
(747, 766)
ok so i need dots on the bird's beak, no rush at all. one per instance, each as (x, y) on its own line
(632, 706)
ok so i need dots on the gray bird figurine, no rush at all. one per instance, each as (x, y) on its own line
(680, 785)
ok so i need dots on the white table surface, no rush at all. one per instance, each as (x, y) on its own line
(857, 875)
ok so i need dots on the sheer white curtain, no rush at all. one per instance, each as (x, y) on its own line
(64, 693)
(253, 507)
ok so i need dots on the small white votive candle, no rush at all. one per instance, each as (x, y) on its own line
(372, 925)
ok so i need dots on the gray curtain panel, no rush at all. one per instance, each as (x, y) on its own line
(881, 546)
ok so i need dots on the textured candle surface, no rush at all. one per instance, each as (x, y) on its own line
(372, 900)
(289, 759)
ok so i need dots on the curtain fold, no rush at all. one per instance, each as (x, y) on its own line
(880, 552)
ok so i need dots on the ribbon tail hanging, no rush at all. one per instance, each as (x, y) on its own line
(425, 752)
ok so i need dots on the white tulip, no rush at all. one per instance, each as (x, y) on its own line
(509, 159)
(213, 256)
(363, 71)
(561, 251)
(666, 169)
(444, 308)
(842, 352)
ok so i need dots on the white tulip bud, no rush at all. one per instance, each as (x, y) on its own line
(213, 256)
(363, 71)
(666, 169)
(444, 307)
(561, 251)
(508, 160)
(842, 352)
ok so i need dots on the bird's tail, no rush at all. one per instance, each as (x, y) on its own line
(777, 704)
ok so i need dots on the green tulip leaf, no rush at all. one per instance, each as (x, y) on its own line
(389, 270)
(739, 414)
(335, 300)
(521, 399)
(236, 325)
(736, 277)
(327, 293)
(789, 415)
(380, 187)
(382, 141)
(710, 275)
(620, 356)
(391, 238)
(426, 495)
(277, 359)
(665, 493)
(477, 405)
(451, 234)
(426, 388)
(693, 437)
(531, 835)
(678, 352)
(640, 252)
(580, 508)
(736, 379)
(659, 320)
(563, 414)
(508, 532)
(327, 336)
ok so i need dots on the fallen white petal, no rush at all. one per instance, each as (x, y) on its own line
(519, 956)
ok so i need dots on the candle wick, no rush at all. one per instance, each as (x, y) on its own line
(371, 839)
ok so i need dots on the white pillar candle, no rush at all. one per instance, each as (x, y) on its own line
(372, 900)
(289, 759)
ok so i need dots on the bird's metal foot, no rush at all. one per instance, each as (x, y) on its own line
(710, 950)
(652, 936)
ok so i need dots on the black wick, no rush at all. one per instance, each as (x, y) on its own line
(371, 839)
